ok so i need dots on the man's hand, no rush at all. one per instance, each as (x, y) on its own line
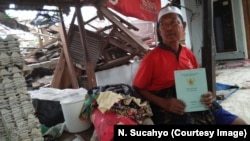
(174, 105)
(207, 99)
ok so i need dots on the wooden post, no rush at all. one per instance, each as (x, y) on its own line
(208, 53)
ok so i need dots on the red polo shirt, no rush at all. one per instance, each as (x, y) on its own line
(156, 70)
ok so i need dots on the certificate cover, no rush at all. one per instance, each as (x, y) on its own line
(190, 85)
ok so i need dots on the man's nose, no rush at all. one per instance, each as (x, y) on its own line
(169, 27)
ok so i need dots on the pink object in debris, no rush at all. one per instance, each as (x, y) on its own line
(235, 64)
(246, 62)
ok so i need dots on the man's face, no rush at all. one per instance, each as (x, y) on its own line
(171, 28)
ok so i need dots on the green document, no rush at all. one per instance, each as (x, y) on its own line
(190, 85)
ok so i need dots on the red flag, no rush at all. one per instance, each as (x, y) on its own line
(141, 9)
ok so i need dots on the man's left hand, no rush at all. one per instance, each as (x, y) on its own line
(207, 99)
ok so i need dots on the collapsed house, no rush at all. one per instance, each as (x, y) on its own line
(79, 52)
(84, 52)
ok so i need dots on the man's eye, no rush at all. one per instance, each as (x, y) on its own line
(175, 22)
(163, 24)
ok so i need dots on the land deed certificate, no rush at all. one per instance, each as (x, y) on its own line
(190, 85)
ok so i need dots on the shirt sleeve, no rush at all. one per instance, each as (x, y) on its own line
(144, 73)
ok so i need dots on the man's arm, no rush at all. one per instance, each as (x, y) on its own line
(168, 104)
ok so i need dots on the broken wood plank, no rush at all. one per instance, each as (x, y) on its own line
(69, 64)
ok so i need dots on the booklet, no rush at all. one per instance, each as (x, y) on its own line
(190, 85)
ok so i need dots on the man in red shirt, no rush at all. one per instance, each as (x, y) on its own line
(155, 82)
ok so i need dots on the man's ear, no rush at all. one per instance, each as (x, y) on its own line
(157, 30)
(158, 33)
(184, 25)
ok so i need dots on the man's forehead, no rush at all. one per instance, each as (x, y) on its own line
(170, 16)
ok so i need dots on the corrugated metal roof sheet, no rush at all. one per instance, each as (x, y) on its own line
(39, 4)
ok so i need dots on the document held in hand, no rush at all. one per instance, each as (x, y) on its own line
(190, 85)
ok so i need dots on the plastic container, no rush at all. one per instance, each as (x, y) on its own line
(71, 107)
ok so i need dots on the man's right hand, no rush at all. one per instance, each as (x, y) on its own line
(174, 105)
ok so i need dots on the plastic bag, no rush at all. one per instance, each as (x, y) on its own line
(48, 112)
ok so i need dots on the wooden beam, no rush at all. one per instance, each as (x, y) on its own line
(89, 65)
(45, 35)
(69, 63)
(114, 63)
(113, 18)
(52, 41)
(58, 73)
(208, 53)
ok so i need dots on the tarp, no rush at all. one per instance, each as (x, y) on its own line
(225, 90)
(142, 9)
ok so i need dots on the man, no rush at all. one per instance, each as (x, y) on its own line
(154, 79)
